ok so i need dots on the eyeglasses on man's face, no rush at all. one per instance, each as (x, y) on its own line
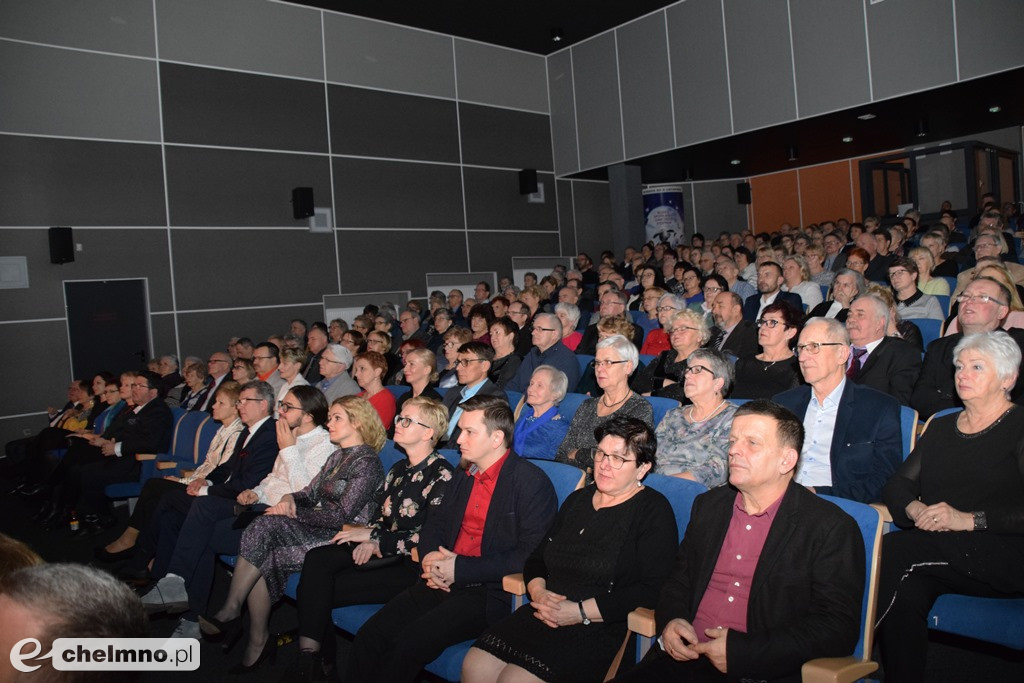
(240, 401)
(982, 298)
(283, 407)
(466, 361)
(814, 348)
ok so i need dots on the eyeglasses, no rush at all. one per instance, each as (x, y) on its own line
(894, 273)
(511, 312)
(983, 298)
(243, 400)
(770, 322)
(605, 363)
(697, 369)
(855, 264)
(217, 360)
(612, 302)
(283, 407)
(814, 348)
(713, 289)
(545, 329)
(261, 357)
(450, 345)
(404, 422)
(681, 328)
(467, 361)
(662, 309)
(141, 386)
(331, 360)
(616, 461)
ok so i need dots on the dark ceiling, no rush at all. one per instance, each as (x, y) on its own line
(950, 112)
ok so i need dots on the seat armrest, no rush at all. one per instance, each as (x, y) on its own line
(514, 584)
(166, 465)
(836, 670)
(641, 621)
(185, 474)
(415, 554)
(883, 512)
(142, 457)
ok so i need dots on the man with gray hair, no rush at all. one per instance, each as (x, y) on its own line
(334, 364)
(888, 364)
(548, 349)
(853, 442)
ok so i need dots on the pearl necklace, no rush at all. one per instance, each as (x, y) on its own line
(710, 415)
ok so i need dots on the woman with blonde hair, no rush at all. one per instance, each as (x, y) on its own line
(926, 282)
(663, 376)
(421, 374)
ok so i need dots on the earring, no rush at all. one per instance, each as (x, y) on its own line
(639, 483)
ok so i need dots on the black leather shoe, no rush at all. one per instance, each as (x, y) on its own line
(268, 655)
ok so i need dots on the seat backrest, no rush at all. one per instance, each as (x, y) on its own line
(740, 401)
(944, 411)
(584, 361)
(951, 281)
(515, 398)
(870, 524)
(908, 428)
(944, 302)
(207, 429)
(646, 358)
(183, 439)
(397, 390)
(661, 406)
(565, 478)
(452, 455)
(389, 455)
(680, 494)
(570, 404)
(930, 329)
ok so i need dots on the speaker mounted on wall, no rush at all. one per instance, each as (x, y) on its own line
(302, 202)
(62, 245)
(528, 181)
(743, 193)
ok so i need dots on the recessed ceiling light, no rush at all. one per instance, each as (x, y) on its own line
(995, 109)
(735, 162)
(847, 139)
(556, 35)
(866, 117)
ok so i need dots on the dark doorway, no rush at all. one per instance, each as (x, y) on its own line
(108, 325)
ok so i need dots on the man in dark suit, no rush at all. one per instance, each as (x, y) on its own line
(888, 364)
(316, 342)
(853, 442)
(799, 595)
(547, 349)
(182, 528)
(731, 333)
(461, 593)
(769, 287)
(471, 367)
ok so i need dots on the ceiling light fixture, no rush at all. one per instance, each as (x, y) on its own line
(922, 128)
(556, 35)
(995, 109)
(866, 117)
(847, 139)
(791, 153)
(735, 162)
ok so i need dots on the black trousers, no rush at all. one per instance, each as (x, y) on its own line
(413, 629)
(152, 491)
(330, 579)
(658, 666)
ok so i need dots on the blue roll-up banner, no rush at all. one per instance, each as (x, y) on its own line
(663, 211)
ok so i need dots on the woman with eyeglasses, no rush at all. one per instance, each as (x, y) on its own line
(614, 362)
(657, 340)
(371, 564)
(290, 367)
(274, 545)
(196, 388)
(380, 342)
(858, 259)
(693, 440)
(775, 369)
(609, 549)
(606, 328)
(453, 339)
(663, 376)
(242, 370)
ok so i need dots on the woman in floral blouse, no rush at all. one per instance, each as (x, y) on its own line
(371, 564)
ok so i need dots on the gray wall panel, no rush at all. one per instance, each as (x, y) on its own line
(830, 51)
(20, 427)
(269, 267)
(717, 208)
(370, 258)
(388, 57)
(989, 36)
(899, 65)
(390, 194)
(506, 138)
(599, 124)
(35, 389)
(124, 26)
(566, 223)
(493, 202)
(215, 187)
(269, 37)
(700, 85)
(68, 92)
(646, 86)
(105, 253)
(489, 74)
(164, 340)
(593, 210)
(760, 64)
(563, 112)
(381, 124)
(226, 108)
(47, 181)
(494, 251)
(202, 333)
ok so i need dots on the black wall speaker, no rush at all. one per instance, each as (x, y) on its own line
(528, 181)
(302, 202)
(743, 193)
(62, 245)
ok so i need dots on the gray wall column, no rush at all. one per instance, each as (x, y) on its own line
(627, 205)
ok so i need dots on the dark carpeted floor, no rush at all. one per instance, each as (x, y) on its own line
(951, 659)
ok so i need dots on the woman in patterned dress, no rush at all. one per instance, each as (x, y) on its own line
(275, 544)
(370, 565)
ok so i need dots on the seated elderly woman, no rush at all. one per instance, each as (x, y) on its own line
(926, 282)
(815, 257)
(453, 339)
(847, 286)
(858, 259)
(337, 328)
(368, 371)
(663, 375)
(614, 362)
(775, 369)
(196, 389)
(965, 477)
(275, 545)
(569, 316)
(354, 341)
(369, 565)
(381, 343)
(506, 361)
(649, 299)
(656, 340)
(797, 279)
(609, 549)
(540, 428)
(290, 367)
(606, 328)
(693, 440)
(243, 371)
(480, 318)
(911, 302)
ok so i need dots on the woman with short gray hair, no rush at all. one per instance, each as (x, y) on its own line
(663, 376)
(569, 316)
(540, 428)
(965, 475)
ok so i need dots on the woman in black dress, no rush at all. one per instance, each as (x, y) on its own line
(775, 369)
(608, 551)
